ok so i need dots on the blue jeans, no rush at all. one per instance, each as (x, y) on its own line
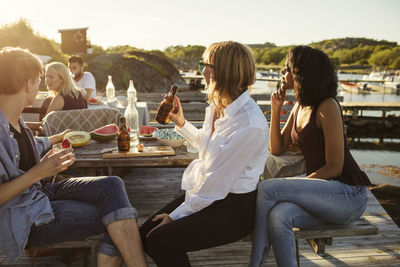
(83, 207)
(284, 203)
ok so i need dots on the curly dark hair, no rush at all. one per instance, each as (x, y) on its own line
(314, 75)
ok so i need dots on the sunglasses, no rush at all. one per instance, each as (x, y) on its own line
(202, 65)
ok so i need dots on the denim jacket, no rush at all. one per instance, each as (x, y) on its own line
(32, 205)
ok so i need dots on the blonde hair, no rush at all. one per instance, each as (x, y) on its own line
(234, 71)
(17, 67)
(68, 86)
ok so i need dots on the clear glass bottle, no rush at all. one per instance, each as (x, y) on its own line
(131, 114)
(132, 91)
(110, 90)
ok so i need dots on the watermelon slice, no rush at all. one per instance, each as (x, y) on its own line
(147, 130)
(140, 147)
(105, 133)
(93, 101)
(65, 144)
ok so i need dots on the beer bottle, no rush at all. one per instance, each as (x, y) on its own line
(123, 136)
(166, 106)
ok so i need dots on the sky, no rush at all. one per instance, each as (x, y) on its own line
(157, 24)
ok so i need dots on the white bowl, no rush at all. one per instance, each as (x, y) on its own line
(169, 137)
(171, 142)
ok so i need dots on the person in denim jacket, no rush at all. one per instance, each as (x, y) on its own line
(72, 209)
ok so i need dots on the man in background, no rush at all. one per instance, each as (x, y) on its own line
(82, 79)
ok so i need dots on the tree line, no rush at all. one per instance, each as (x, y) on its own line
(344, 52)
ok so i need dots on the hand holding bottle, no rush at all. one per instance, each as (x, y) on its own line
(177, 114)
(167, 106)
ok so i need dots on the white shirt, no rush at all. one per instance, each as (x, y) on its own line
(87, 81)
(231, 160)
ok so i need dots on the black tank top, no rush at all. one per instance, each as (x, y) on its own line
(312, 143)
(74, 103)
(27, 157)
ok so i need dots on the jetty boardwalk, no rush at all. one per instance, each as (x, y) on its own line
(151, 188)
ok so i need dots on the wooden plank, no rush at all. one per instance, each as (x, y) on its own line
(186, 107)
(148, 151)
(359, 227)
(184, 96)
(89, 156)
(289, 97)
(195, 111)
(372, 105)
(149, 189)
(333, 231)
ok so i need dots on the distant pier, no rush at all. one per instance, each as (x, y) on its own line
(359, 123)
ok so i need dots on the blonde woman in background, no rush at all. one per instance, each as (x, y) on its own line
(219, 204)
(67, 95)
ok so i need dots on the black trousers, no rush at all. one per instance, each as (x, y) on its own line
(224, 221)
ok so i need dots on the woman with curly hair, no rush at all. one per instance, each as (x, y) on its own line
(335, 189)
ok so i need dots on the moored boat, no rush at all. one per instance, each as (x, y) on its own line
(393, 82)
(355, 88)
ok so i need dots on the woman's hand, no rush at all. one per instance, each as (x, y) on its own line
(54, 162)
(277, 99)
(57, 138)
(177, 114)
(164, 220)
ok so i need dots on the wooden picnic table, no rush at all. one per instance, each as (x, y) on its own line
(89, 158)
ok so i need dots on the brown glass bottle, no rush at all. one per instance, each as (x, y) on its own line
(123, 136)
(166, 106)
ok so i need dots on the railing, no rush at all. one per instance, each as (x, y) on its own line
(200, 77)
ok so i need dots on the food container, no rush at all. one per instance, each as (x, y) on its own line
(169, 137)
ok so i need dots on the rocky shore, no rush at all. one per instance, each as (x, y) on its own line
(150, 73)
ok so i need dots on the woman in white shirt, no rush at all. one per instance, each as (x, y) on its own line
(219, 204)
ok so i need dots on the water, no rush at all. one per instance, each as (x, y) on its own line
(379, 165)
(269, 87)
(374, 162)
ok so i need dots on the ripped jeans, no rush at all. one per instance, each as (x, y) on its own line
(84, 207)
(284, 203)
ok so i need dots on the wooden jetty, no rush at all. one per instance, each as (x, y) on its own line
(200, 77)
(149, 189)
(357, 108)
(361, 125)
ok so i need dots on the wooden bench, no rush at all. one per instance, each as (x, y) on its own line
(89, 245)
(318, 237)
(38, 110)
